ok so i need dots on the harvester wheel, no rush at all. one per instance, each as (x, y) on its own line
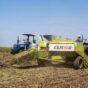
(78, 63)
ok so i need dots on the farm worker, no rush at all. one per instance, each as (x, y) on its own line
(27, 44)
(79, 39)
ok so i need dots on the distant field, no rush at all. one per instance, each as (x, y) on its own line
(5, 49)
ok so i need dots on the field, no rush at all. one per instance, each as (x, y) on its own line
(5, 49)
(61, 76)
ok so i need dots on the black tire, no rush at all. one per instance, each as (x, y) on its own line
(78, 63)
(86, 49)
(14, 52)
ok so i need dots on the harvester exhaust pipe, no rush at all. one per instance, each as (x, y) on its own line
(82, 38)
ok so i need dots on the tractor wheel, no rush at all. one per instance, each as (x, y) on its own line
(78, 63)
(13, 52)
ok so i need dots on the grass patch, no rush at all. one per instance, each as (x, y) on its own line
(5, 49)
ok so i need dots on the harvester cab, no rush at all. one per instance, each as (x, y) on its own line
(25, 45)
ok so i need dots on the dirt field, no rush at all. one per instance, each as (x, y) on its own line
(61, 76)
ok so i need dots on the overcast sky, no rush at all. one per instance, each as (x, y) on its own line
(66, 18)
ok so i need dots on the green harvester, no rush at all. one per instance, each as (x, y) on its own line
(54, 50)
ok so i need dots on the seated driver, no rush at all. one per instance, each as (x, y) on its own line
(27, 44)
(79, 39)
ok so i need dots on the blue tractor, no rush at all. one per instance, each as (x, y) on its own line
(24, 46)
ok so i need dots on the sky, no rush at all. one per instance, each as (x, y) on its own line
(66, 18)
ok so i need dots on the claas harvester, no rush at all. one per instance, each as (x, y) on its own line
(50, 48)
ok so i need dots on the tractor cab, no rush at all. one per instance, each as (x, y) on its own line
(25, 45)
(29, 40)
